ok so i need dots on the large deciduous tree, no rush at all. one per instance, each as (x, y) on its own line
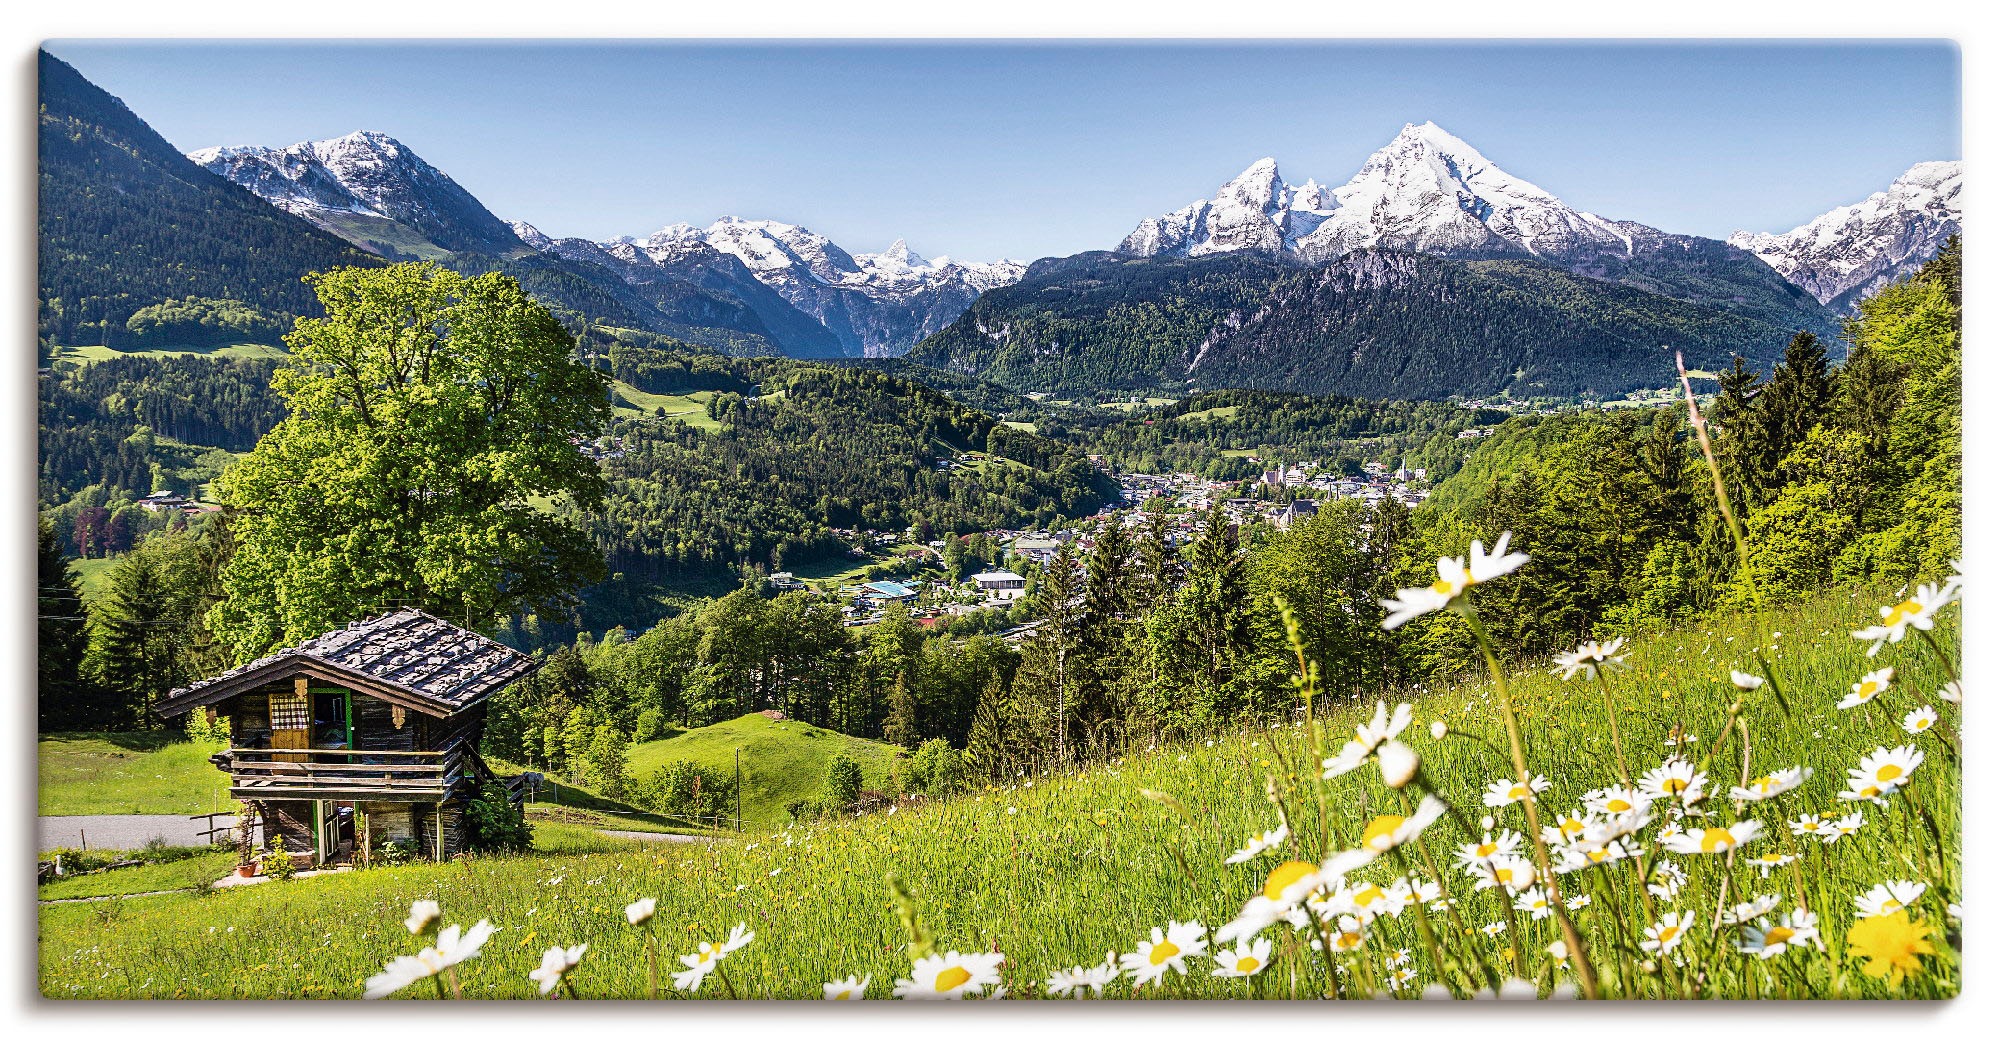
(430, 414)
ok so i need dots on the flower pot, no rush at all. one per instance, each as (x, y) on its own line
(246, 871)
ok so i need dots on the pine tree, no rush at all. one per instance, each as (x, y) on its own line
(138, 641)
(1218, 595)
(900, 727)
(986, 748)
(1107, 603)
(1046, 683)
(62, 636)
(1791, 403)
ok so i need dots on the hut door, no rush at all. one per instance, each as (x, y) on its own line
(291, 725)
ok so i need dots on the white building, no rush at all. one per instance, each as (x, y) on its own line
(1000, 585)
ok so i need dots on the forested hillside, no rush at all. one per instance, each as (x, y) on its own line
(127, 222)
(1379, 324)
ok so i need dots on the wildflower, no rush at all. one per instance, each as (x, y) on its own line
(1401, 978)
(1567, 830)
(1534, 901)
(1590, 658)
(1746, 682)
(1510, 873)
(1779, 782)
(1285, 887)
(1367, 737)
(452, 948)
(1787, 931)
(1502, 792)
(556, 963)
(1951, 693)
(847, 990)
(1884, 898)
(1260, 844)
(1388, 832)
(1810, 825)
(1494, 929)
(1846, 825)
(1399, 764)
(1473, 856)
(1756, 908)
(1455, 578)
(1244, 960)
(953, 975)
(640, 912)
(1771, 860)
(1891, 944)
(1616, 801)
(1664, 935)
(1715, 839)
(1920, 720)
(424, 916)
(1674, 780)
(1166, 951)
(1671, 878)
(1581, 901)
(1916, 611)
(1438, 729)
(1882, 771)
(1076, 981)
(1870, 685)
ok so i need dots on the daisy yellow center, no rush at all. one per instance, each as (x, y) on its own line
(1923, 723)
(1382, 831)
(1503, 875)
(1713, 840)
(1674, 785)
(1872, 791)
(843, 996)
(1904, 610)
(1246, 964)
(1485, 849)
(1765, 784)
(1368, 895)
(1777, 935)
(1599, 854)
(1441, 587)
(1617, 805)
(1284, 876)
(1868, 689)
(1571, 825)
(1889, 772)
(1517, 791)
(1348, 939)
(1667, 933)
(1162, 952)
(951, 977)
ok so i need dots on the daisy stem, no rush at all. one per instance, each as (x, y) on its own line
(1451, 909)
(1944, 660)
(652, 966)
(1444, 964)
(1585, 974)
(1611, 716)
(438, 979)
(570, 986)
(451, 975)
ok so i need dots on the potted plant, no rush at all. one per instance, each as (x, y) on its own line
(246, 869)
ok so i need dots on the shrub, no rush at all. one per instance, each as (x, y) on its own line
(935, 768)
(492, 824)
(843, 779)
(687, 789)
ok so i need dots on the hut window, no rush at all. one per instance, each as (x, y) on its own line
(289, 712)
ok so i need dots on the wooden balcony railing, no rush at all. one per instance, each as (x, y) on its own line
(406, 775)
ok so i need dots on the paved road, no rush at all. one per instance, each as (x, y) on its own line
(632, 834)
(119, 832)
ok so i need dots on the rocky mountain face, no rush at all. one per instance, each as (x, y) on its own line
(365, 181)
(1430, 192)
(873, 304)
(1848, 252)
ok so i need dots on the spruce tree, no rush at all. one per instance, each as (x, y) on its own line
(1791, 403)
(62, 636)
(986, 749)
(900, 727)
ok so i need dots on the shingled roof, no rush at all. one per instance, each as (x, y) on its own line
(407, 656)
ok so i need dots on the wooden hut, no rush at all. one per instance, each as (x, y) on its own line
(361, 736)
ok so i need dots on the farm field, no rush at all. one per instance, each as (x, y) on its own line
(687, 408)
(248, 350)
(1056, 871)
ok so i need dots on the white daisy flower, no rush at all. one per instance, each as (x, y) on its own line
(1746, 682)
(952, 975)
(1260, 844)
(1916, 611)
(1951, 693)
(1514, 874)
(1796, 930)
(1535, 902)
(1871, 685)
(1616, 801)
(1674, 780)
(640, 912)
(1247, 959)
(1166, 951)
(1367, 737)
(1455, 577)
(556, 962)
(1777, 783)
(1755, 908)
(1769, 860)
(1809, 825)
(1715, 839)
(1662, 937)
(1504, 843)
(1884, 898)
(849, 990)
(1882, 771)
(1590, 658)
(1577, 903)
(1079, 981)
(452, 948)
(424, 916)
(1283, 889)
(1920, 720)
(1846, 825)
(1503, 792)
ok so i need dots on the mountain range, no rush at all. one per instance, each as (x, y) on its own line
(762, 287)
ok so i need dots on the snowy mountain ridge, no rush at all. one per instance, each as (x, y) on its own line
(1849, 251)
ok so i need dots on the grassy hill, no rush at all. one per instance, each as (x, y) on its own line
(1055, 872)
(125, 773)
(782, 761)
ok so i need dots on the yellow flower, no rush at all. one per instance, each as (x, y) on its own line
(1891, 944)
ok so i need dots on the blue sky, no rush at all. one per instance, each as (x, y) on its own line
(1033, 149)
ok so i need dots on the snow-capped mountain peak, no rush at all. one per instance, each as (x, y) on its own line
(1846, 253)
(1425, 190)
(366, 175)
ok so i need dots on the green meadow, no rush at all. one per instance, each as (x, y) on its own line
(1055, 871)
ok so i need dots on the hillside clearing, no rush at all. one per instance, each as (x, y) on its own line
(783, 761)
